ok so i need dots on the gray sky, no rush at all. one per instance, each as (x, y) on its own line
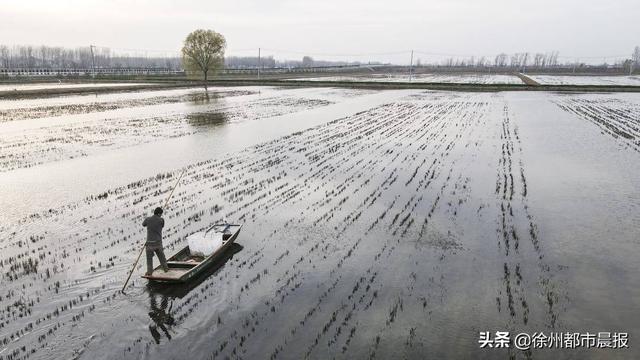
(289, 28)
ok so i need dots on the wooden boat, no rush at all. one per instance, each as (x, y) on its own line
(176, 290)
(184, 266)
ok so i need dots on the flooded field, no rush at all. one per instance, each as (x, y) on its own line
(62, 85)
(586, 80)
(426, 78)
(100, 126)
(377, 224)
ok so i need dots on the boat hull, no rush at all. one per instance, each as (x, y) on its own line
(183, 271)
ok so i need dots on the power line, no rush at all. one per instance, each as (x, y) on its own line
(142, 50)
(593, 57)
(520, 52)
(337, 54)
(284, 52)
(446, 54)
(241, 50)
(387, 53)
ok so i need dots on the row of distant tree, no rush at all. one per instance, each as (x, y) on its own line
(47, 57)
(536, 60)
(248, 62)
(517, 60)
(20, 56)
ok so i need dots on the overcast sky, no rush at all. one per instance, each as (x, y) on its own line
(333, 29)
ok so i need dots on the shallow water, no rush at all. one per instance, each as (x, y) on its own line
(114, 164)
(426, 78)
(60, 85)
(586, 80)
(380, 225)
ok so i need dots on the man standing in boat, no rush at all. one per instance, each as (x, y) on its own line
(154, 225)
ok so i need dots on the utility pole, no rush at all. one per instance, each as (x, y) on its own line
(259, 63)
(93, 61)
(411, 66)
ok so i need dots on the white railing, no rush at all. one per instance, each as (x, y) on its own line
(87, 72)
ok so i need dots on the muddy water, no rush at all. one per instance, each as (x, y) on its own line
(381, 225)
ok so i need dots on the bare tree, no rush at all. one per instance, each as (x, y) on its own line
(307, 61)
(538, 60)
(515, 59)
(553, 58)
(203, 51)
(501, 60)
(4, 57)
(636, 56)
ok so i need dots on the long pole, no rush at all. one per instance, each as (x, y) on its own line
(411, 66)
(143, 246)
(259, 63)
(93, 61)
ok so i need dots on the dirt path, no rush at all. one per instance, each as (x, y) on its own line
(527, 80)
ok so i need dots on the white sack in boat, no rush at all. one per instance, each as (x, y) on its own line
(204, 245)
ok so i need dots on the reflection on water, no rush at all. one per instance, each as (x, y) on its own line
(207, 119)
(204, 97)
(161, 314)
(213, 118)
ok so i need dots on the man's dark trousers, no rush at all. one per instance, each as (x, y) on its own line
(159, 253)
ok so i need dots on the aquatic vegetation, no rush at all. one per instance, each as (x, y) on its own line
(368, 236)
